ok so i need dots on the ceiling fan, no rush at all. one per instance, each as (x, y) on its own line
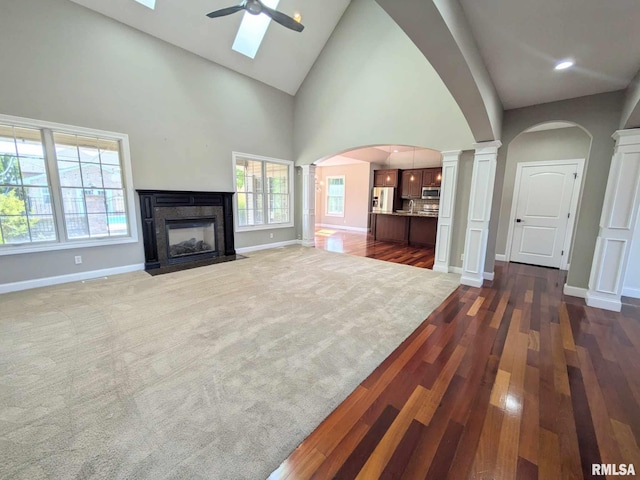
(256, 7)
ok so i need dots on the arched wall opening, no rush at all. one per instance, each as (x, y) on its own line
(355, 168)
(543, 142)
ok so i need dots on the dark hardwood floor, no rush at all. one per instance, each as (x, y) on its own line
(512, 380)
(363, 245)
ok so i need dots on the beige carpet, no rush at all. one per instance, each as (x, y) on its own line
(217, 372)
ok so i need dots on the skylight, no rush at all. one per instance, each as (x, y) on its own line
(148, 3)
(252, 30)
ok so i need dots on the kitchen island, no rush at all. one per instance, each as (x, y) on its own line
(404, 227)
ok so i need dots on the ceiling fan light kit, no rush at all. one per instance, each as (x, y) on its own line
(256, 7)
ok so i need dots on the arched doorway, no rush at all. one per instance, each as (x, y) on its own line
(544, 170)
(344, 184)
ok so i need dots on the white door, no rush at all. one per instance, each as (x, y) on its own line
(544, 196)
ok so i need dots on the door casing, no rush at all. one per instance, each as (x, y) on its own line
(577, 192)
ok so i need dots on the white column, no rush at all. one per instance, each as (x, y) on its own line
(617, 223)
(308, 205)
(475, 244)
(447, 206)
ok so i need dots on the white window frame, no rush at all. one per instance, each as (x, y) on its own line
(326, 197)
(266, 226)
(62, 243)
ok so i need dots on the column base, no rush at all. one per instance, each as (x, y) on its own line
(606, 303)
(471, 281)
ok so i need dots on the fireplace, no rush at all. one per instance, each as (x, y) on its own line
(186, 229)
(191, 237)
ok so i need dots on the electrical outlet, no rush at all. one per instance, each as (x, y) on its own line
(271, 235)
(462, 257)
(78, 259)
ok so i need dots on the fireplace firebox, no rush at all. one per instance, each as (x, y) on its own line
(186, 229)
(189, 237)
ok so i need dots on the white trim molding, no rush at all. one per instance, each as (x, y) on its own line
(343, 227)
(573, 207)
(444, 230)
(266, 246)
(617, 223)
(308, 205)
(631, 292)
(480, 198)
(574, 291)
(501, 257)
(72, 277)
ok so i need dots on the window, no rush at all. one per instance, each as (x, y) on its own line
(62, 187)
(264, 192)
(335, 196)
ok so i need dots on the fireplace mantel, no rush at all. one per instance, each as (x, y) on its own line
(160, 206)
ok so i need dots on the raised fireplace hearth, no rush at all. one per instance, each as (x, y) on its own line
(185, 229)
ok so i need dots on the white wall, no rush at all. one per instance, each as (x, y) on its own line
(184, 115)
(370, 86)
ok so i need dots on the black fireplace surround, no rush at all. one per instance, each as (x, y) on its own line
(162, 209)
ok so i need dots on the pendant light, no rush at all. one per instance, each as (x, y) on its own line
(389, 168)
(413, 164)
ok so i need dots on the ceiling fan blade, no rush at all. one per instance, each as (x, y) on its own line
(282, 19)
(225, 11)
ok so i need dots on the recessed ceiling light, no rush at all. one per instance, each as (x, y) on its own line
(297, 17)
(564, 64)
(395, 150)
(148, 3)
(252, 31)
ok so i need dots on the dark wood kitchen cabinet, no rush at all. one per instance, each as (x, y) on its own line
(385, 178)
(411, 183)
(423, 231)
(391, 228)
(431, 177)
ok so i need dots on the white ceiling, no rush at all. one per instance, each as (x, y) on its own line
(521, 41)
(385, 157)
(284, 59)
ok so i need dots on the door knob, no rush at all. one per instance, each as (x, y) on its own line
(519, 220)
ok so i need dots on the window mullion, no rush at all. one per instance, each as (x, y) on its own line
(54, 184)
(265, 194)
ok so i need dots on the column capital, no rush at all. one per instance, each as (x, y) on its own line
(629, 136)
(487, 147)
(451, 155)
(308, 168)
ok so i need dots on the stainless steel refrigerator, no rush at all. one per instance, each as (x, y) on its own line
(382, 199)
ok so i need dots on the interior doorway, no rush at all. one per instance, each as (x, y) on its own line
(543, 212)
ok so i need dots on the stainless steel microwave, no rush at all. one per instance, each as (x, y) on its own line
(430, 193)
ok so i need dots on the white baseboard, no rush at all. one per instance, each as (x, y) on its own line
(574, 291)
(72, 277)
(501, 257)
(631, 292)
(604, 303)
(457, 270)
(489, 275)
(265, 246)
(472, 282)
(441, 269)
(341, 227)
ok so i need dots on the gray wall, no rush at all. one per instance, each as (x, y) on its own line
(631, 110)
(372, 86)
(600, 116)
(184, 115)
(559, 144)
(461, 211)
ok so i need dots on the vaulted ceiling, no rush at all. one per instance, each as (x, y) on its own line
(284, 58)
(517, 42)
